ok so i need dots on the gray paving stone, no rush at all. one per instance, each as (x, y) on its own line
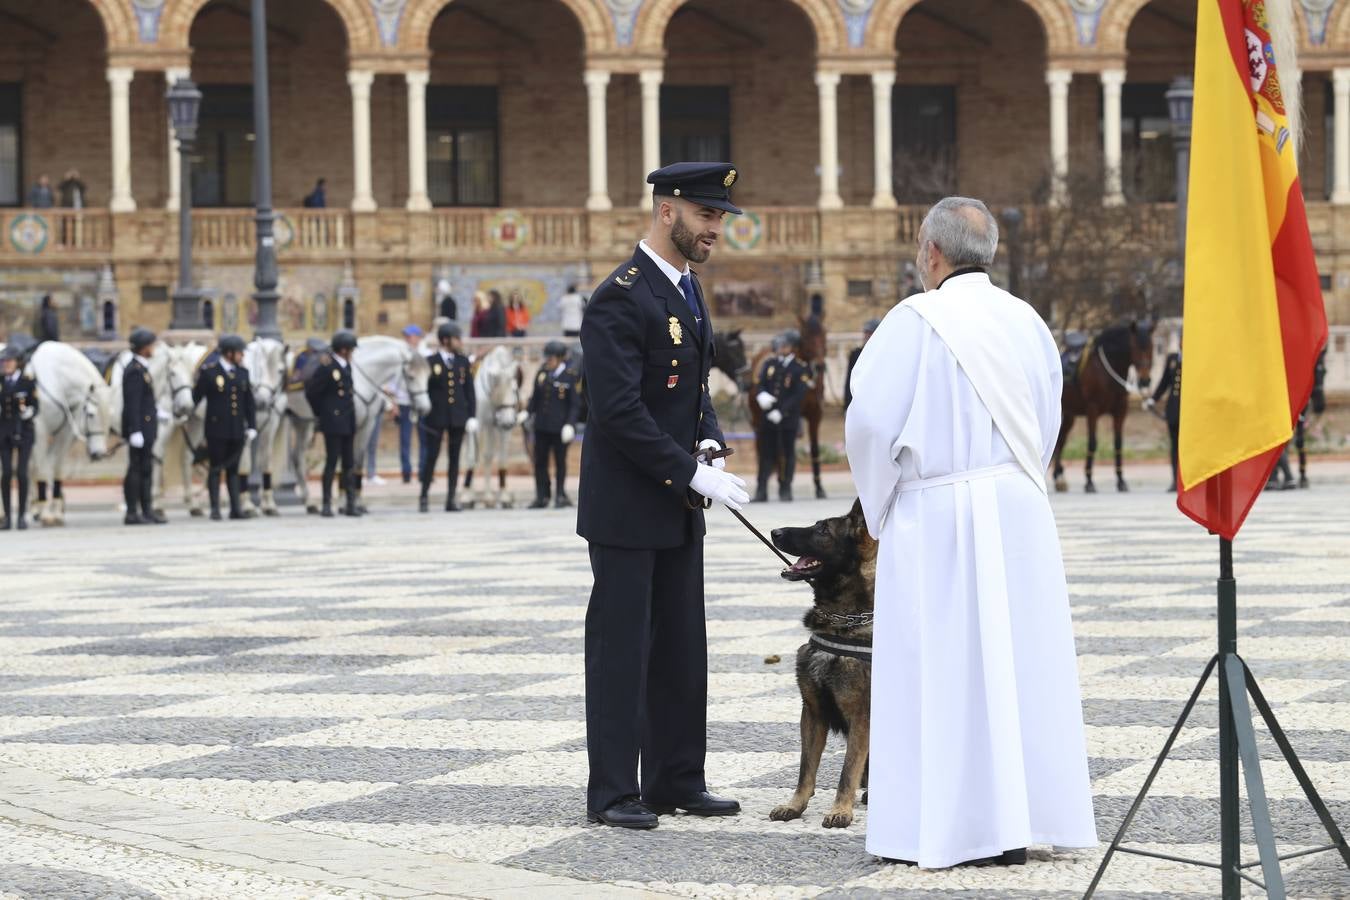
(1149, 712)
(318, 764)
(169, 646)
(1129, 646)
(57, 628)
(546, 645)
(412, 684)
(311, 613)
(172, 730)
(1264, 669)
(85, 705)
(1328, 746)
(28, 682)
(458, 804)
(502, 707)
(1189, 820)
(459, 627)
(51, 881)
(288, 663)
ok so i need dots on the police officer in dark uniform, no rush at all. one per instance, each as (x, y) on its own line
(1169, 386)
(230, 420)
(18, 407)
(330, 395)
(766, 440)
(647, 345)
(780, 397)
(454, 410)
(869, 329)
(140, 427)
(554, 404)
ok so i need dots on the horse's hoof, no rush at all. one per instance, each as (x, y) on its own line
(1122, 487)
(271, 511)
(820, 493)
(312, 510)
(1090, 488)
(1061, 486)
(195, 512)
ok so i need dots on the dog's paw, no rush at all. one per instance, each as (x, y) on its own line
(837, 820)
(785, 813)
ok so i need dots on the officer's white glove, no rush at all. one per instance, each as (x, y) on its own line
(718, 485)
(28, 413)
(471, 426)
(164, 416)
(250, 434)
(137, 440)
(765, 400)
(521, 416)
(775, 416)
(568, 433)
(710, 444)
(1148, 403)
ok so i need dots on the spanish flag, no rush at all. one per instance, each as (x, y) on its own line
(1254, 321)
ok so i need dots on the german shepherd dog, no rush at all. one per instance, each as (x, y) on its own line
(838, 558)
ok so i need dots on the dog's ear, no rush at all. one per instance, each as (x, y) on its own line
(856, 512)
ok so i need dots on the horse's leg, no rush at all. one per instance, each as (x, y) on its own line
(1117, 427)
(1065, 426)
(1089, 487)
(1300, 443)
(813, 430)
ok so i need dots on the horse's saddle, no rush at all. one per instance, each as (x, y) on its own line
(1075, 345)
(102, 359)
(305, 364)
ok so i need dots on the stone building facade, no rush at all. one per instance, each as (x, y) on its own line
(504, 143)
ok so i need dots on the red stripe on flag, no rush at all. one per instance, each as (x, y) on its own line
(1235, 32)
(1303, 317)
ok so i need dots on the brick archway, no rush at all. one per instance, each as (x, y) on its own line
(1056, 21)
(358, 21)
(415, 33)
(1119, 15)
(119, 25)
(1338, 31)
(827, 22)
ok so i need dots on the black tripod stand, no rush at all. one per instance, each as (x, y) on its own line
(1237, 738)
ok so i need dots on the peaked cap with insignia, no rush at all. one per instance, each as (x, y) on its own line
(704, 183)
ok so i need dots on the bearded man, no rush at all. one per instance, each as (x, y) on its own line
(977, 746)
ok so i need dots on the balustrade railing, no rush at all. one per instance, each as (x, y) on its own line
(55, 231)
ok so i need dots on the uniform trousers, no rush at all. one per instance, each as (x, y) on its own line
(138, 488)
(1173, 431)
(777, 446)
(23, 450)
(337, 447)
(646, 675)
(224, 454)
(549, 444)
(431, 451)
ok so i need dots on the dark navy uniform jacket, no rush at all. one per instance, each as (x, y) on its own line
(450, 389)
(646, 369)
(16, 395)
(331, 396)
(788, 382)
(556, 401)
(229, 401)
(138, 402)
(1169, 386)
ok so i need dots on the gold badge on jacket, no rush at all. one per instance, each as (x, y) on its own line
(220, 382)
(676, 332)
(436, 369)
(337, 376)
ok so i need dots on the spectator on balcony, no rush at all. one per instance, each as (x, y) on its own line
(517, 316)
(571, 306)
(40, 195)
(480, 308)
(48, 325)
(494, 320)
(446, 301)
(317, 198)
(72, 191)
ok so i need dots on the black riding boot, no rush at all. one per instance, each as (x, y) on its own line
(327, 511)
(213, 492)
(236, 504)
(356, 490)
(5, 523)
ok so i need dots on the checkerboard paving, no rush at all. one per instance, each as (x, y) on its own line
(416, 682)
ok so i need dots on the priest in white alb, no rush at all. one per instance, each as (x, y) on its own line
(977, 745)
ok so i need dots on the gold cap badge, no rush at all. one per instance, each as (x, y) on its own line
(730, 179)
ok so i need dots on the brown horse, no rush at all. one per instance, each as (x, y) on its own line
(1100, 387)
(812, 352)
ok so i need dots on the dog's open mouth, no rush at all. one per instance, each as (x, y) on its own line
(802, 569)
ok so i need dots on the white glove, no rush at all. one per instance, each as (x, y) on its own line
(568, 433)
(710, 444)
(471, 426)
(718, 485)
(521, 416)
(28, 413)
(137, 440)
(250, 434)
(164, 416)
(1148, 403)
(765, 400)
(775, 416)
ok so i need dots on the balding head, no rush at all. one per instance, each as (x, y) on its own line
(957, 233)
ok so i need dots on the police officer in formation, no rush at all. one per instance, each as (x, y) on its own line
(231, 421)
(647, 344)
(555, 405)
(331, 397)
(1169, 387)
(454, 410)
(18, 407)
(140, 427)
(779, 391)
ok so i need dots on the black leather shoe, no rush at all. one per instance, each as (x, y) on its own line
(563, 502)
(157, 518)
(22, 524)
(761, 496)
(132, 519)
(1016, 857)
(539, 503)
(327, 511)
(215, 515)
(5, 524)
(705, 804)
(452, 506)
(422, 503)
(627, 813)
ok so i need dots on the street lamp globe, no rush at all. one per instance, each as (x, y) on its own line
(185, 103)
(1180, 98)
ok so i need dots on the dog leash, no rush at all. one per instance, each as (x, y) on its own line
(706, 457)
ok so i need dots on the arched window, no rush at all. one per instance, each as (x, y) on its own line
(208, 315)
(349, 314)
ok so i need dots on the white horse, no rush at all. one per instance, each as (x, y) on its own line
(265, 359)
(188, 434)
(172, 382)
(497, 388)
(376, 362)
(74, 404)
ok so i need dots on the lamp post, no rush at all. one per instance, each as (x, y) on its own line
(185, 103)
(1012, 219)
(265, 260)
(1180, 97)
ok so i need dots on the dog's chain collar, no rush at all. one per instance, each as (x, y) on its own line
(849, 620)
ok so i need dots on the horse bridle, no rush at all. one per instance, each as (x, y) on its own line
(1106, 364)
(176, 389)
(68, 413)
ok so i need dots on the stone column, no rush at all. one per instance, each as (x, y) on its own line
(1112, 82)
(827, 83)
(119, 80)
(1058, 80)
(418, 201)
(884, 191)
(597, 83)
(175, 161)
(1340, 193)
(363, 199)
(651, 129)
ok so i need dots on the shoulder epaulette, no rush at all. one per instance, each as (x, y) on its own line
(325, 360)
(628, 278)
